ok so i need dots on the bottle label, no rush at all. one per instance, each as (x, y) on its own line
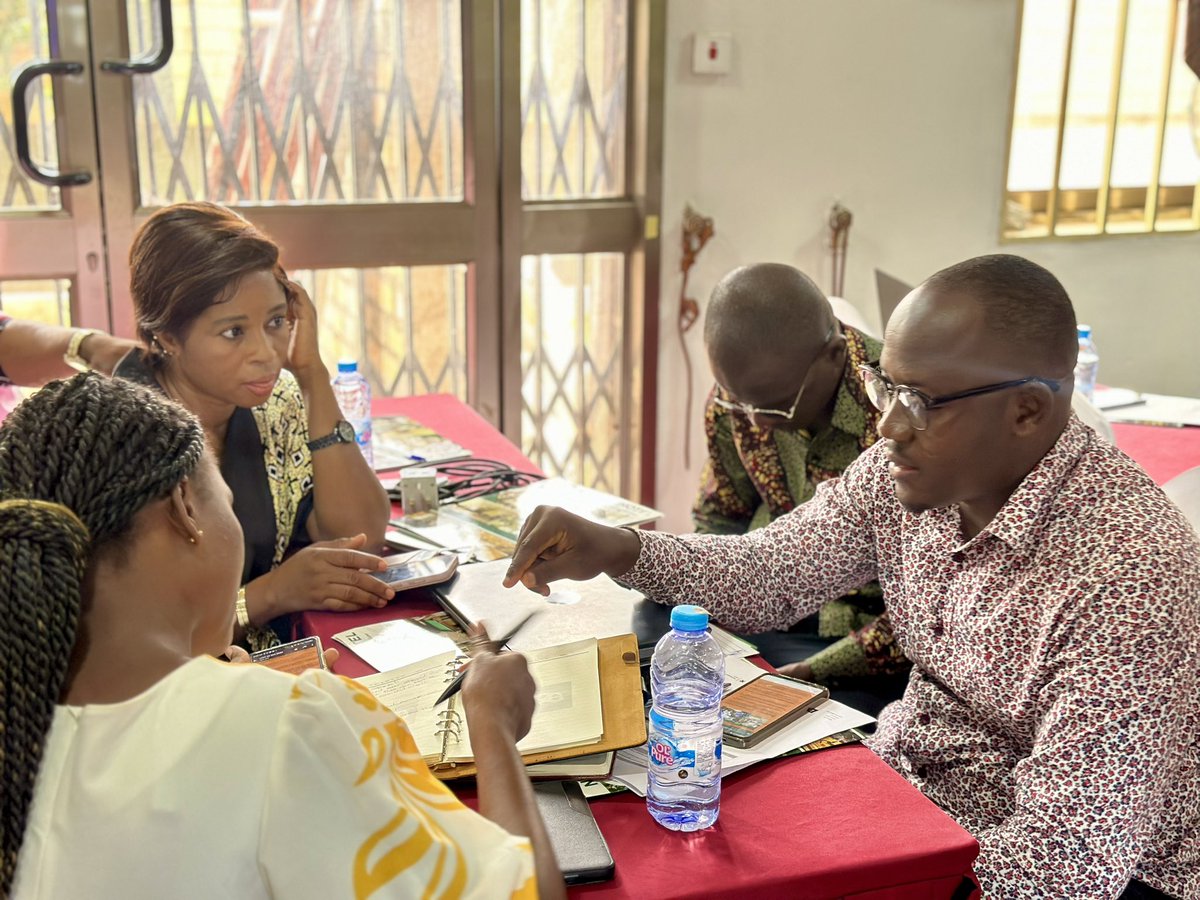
(680, 759)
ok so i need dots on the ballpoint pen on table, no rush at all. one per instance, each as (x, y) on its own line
(456, 685)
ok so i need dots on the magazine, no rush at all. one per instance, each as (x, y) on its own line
(398, 442)
(505, 511)
(486, 528)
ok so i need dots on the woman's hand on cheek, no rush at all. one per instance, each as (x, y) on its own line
(304, 354)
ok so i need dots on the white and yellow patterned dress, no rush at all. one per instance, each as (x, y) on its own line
(239, 781)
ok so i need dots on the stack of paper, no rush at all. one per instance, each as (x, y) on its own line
(1158, 409)
(829, 718)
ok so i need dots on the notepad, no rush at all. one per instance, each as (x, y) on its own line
(568, 709)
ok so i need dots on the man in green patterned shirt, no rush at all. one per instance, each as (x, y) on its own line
(788, 411)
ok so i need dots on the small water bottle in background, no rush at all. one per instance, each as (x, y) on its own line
(687, 675)
(1089, 362)
(353, 394)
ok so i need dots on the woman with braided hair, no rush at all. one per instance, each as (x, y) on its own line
(228, 336)
(134, 765)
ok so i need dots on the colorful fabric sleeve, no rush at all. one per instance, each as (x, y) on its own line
(727, 500)
(870, 650)
(353, 811)
(283, 426)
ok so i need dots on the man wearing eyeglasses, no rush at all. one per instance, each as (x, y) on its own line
(1045, 589)
(788, 411)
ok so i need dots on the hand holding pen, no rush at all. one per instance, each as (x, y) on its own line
(480, 643)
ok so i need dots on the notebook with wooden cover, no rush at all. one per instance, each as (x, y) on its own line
(589, 701)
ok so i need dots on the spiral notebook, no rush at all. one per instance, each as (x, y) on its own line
(568, 707)
(588, 701)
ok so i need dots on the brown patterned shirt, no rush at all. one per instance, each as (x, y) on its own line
(1052, 707)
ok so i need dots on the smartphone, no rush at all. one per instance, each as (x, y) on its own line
(292, 658)
(418, 568)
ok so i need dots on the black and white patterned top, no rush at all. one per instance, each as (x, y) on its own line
(1054, 703)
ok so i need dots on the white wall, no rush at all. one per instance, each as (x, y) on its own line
(899, 110)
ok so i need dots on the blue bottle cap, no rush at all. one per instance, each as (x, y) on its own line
(689, 618)
(347, 365)
(1085, 331)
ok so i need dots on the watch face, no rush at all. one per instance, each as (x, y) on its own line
(345, 432)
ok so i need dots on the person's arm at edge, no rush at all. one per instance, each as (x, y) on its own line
(506, 797)
(32, 353)
(769, 578)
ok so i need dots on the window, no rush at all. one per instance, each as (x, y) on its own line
(453, 181)
(1106, 121)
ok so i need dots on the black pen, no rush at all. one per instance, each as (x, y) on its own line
(456, 685)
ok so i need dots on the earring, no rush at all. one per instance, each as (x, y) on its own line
(158, 347)
(191, 540)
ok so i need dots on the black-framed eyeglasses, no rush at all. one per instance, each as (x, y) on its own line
(916, 404)
(721, 397)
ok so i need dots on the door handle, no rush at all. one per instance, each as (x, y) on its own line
(147, 64)
(24, 77)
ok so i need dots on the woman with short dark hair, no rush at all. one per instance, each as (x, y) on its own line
(229, 337)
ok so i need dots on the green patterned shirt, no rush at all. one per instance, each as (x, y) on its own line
(754, 475)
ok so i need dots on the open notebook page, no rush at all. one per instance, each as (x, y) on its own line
(409, 693)
(568, 711)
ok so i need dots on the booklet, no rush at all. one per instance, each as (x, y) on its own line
(766, 704)
(398, 442)
(504, 511)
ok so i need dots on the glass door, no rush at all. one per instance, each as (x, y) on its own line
(342, 129)
(468, 189)
(53, 266)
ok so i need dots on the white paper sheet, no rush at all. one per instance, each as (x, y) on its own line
(829, 718)
(395, 644)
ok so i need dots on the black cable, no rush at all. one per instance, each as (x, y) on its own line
(470, 478)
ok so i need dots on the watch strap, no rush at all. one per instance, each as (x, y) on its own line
(337, 436)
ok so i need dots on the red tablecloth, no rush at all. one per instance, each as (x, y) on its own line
(838, 823)
(1162, 451)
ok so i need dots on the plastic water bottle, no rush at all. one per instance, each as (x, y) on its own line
(353, 394)
(1089, 362)
(687, 674)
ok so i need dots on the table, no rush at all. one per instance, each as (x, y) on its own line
(838, 823)
(1162, 451)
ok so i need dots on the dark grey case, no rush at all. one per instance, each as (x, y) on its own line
(578, 844)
